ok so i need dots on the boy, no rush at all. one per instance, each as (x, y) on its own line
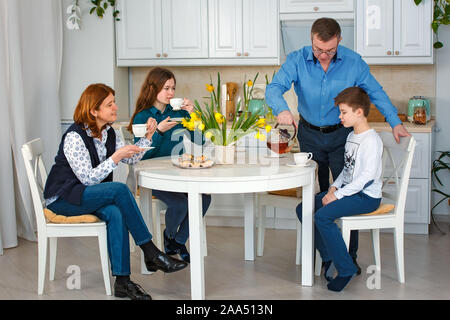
(356, 190)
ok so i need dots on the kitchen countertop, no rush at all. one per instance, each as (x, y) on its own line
(378, 126)
(411, 127)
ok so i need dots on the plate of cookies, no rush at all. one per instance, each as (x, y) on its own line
(189, 161)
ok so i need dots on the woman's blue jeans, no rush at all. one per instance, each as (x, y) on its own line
(327, 237)
(113, 203)
(177, 219)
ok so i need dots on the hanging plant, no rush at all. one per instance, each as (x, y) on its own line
(100, 6)
(441, 15)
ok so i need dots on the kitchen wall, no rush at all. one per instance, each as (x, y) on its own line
(400, 82)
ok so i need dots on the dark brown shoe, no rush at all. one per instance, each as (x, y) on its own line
(130, 290)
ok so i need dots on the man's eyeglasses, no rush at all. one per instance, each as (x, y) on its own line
(330, 53)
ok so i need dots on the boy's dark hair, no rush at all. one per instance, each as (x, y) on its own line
(326, 29)
(354, 97)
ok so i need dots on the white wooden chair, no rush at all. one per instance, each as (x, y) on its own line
(37, 176)
(287, 199)
(399, 178)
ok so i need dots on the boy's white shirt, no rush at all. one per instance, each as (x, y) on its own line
(362, 163)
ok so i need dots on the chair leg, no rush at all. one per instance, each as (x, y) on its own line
(42, 259)
(345, 230)
(102, 244)
(376, 247)
(53, 249)
(399, 254)
(204, 243)
(132, 244)
(318, 264)
(261, 229)
(156, 217)
(298, 249)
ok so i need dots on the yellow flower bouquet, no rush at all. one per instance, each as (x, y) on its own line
(214, 125)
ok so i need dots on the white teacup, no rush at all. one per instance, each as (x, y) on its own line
(302, 158)
(139, 130)
(176, 103)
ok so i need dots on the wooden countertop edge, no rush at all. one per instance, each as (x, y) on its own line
(378, 126)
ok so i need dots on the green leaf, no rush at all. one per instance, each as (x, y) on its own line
(417, 2)
(438, 45)
(92, 10)
(435, 26)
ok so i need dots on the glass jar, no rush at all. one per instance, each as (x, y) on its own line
(420, 115)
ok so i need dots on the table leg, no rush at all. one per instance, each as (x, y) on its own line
(145, 201)
(195, 245)
(308, 232)
(249, 226)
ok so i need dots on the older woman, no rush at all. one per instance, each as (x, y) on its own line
(80, 182)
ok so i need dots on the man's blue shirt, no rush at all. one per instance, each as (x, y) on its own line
(316, 89)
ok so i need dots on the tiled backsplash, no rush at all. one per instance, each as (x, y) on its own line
(399, 82)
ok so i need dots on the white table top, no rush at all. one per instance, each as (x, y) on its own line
(245, 170)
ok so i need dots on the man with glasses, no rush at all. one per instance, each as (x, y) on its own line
(319, 72)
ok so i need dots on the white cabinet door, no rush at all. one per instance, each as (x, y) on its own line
(185, 29)
(412, 29)
(394, 32)
(139, 30)
(375, 28)
(307, 6)
(243, 29)
(225, 28)
(260, 28)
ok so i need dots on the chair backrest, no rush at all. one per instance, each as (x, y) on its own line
(401, 169)
(37, 176)
(127, 136)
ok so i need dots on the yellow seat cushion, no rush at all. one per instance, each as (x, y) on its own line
(52, 217)
(382, 209)
(286, 192)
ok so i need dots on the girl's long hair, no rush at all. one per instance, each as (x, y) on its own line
(91, 99)
(153, 84)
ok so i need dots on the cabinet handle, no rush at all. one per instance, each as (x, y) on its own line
(238, 54)
(158, 55)
(165, 55)
(246, 54)
(389, 53)
(397, 53)
(316, 8)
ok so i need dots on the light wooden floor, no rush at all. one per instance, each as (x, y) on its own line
(228, 276)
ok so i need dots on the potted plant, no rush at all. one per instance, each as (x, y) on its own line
(222, 133)
(441, 15)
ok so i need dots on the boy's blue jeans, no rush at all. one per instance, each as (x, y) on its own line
(113, 203)
(177, 218)
(327, 237)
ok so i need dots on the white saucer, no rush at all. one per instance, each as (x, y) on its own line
(147, 148)
(297, 165)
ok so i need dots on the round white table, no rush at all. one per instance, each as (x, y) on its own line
(247, 176)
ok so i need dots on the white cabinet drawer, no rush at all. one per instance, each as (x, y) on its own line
(422, 158)
(313, 6)
(417, 209)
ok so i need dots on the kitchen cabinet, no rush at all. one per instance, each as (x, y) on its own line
(198, 32)
(156, 30)
(394, 32)
(311, 6)
(243, 29)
